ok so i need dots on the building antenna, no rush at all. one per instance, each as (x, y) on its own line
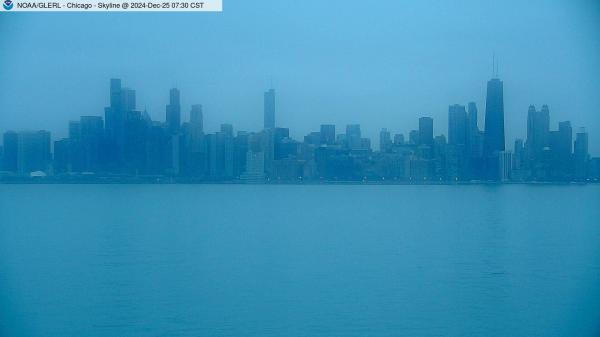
(493, 63)
(497, 65)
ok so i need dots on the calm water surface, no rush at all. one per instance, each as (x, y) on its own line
(234, 260)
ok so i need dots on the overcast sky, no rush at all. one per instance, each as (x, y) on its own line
(377, 63)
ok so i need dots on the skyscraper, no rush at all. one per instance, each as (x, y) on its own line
(505, 165)
(580, 154)
(538, 131)
(426, 131)
(91, 132)
(327, 134)
(472, 130)
(457, 125)
(472, 117)
(565, 146)
(9, 159)
(33, 153)
(173, 112)
(196, 118)
(413, 137)
(115, 93)
(493, 141)
(112, 113)
(269, 109)
(353, 136)
(385, 140)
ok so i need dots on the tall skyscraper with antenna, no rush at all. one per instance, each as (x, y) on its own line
(493, 141)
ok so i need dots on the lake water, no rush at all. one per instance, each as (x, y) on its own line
(261, 260)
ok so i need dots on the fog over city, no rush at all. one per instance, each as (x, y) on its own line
(378, 65)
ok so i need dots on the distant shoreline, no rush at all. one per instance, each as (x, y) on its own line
(179, 181)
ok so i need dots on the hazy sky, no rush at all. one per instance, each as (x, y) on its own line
(377, 63)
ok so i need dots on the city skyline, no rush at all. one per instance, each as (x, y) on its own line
(267, 116)
(127, 141)
(268, 96)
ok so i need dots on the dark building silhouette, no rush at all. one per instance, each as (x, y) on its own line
(398, 139)
(457, 125)
(493, 140)
(11, 149)
(426, 131)
(62, 159)
(197, 118)
(33, 151)
(494, 118)
(538, 130)
(91, 137)
(269, 109)
(327, 134)
(581, 154)
(385, 140)
(353, 137)
(173, 112)
(413, 137)
(474, 143)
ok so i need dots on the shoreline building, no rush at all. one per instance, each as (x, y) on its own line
(493, 141)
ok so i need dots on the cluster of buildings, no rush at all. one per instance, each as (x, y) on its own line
(127, 143)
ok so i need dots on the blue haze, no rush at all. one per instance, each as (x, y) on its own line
(331, 62)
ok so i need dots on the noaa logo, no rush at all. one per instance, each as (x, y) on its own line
(8, 4)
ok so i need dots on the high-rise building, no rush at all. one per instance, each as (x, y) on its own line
(269, 109)
(472, 130)
(226, 144)
(115, 93)
(197, 118)
(426, 131)
(327, 134)
(116, 129)
(493, 141)
(91, 133)
(581, 155)
(128, 102)
(74, 130)
(385, 140)
(33, 153)
(173, 110)
(61, 160)
(518, 154)
(255, 167)
(538, 131)
(413, 137)
(472, 117)
(353, 136)
(565, 145)
(457, 125)
(11, 148)
(112, 113)
(456, 156)
(561, 150)
(505, 165)
(196, 145)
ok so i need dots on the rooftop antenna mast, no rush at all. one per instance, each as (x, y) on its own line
(497, 65)
(493, 64)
